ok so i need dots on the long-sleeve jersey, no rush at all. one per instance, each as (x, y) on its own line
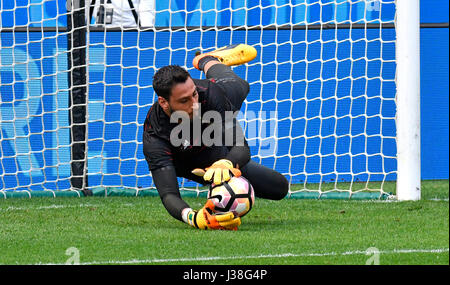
(160, 152)
(167, 161)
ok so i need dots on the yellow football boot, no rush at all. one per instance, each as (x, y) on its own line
(230, 55)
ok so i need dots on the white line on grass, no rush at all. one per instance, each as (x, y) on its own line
(438, 199)
(12, 208)
(284, 255)
(395, 201)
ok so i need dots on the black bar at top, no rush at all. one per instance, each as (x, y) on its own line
(223, 28)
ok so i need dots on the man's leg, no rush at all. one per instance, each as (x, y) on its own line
(267, 183)
(216, 65)
(236, 88)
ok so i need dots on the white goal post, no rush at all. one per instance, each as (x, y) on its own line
(408, 99)
(334, 102)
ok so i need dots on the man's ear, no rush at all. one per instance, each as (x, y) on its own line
(164, 104)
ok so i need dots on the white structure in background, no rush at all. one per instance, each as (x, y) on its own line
(123, 13)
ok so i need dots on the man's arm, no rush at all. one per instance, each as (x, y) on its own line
(234, 90)
(237, 157)
(158, 154)
(165, 180)
(166, 183)
(159, 159)
(227, 93)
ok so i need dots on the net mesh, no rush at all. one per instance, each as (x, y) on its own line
(321, 107)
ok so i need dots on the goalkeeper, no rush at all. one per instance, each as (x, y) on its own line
(221, 91)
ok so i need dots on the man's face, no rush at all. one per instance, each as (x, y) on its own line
(184, 97)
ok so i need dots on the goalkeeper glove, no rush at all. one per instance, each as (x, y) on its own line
(204, 219)
(219, 171)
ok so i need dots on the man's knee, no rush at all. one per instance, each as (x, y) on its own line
(268, 183)
(282, 185)
(245, 86)
(239, 92)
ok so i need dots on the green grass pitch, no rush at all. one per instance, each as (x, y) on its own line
(138, 230)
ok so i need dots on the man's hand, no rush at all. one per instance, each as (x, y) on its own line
(205, 219)
(219, 171)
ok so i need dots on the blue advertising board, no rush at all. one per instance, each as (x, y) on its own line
(35, 138)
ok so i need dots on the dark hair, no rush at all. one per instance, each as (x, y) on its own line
(167, 77)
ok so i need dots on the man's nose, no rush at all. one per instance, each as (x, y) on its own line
(195, 105)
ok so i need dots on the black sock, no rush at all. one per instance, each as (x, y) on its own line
(202, 62)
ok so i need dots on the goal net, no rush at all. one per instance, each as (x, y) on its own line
(76, 86)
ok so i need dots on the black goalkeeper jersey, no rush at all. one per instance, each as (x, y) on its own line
(158, 149)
